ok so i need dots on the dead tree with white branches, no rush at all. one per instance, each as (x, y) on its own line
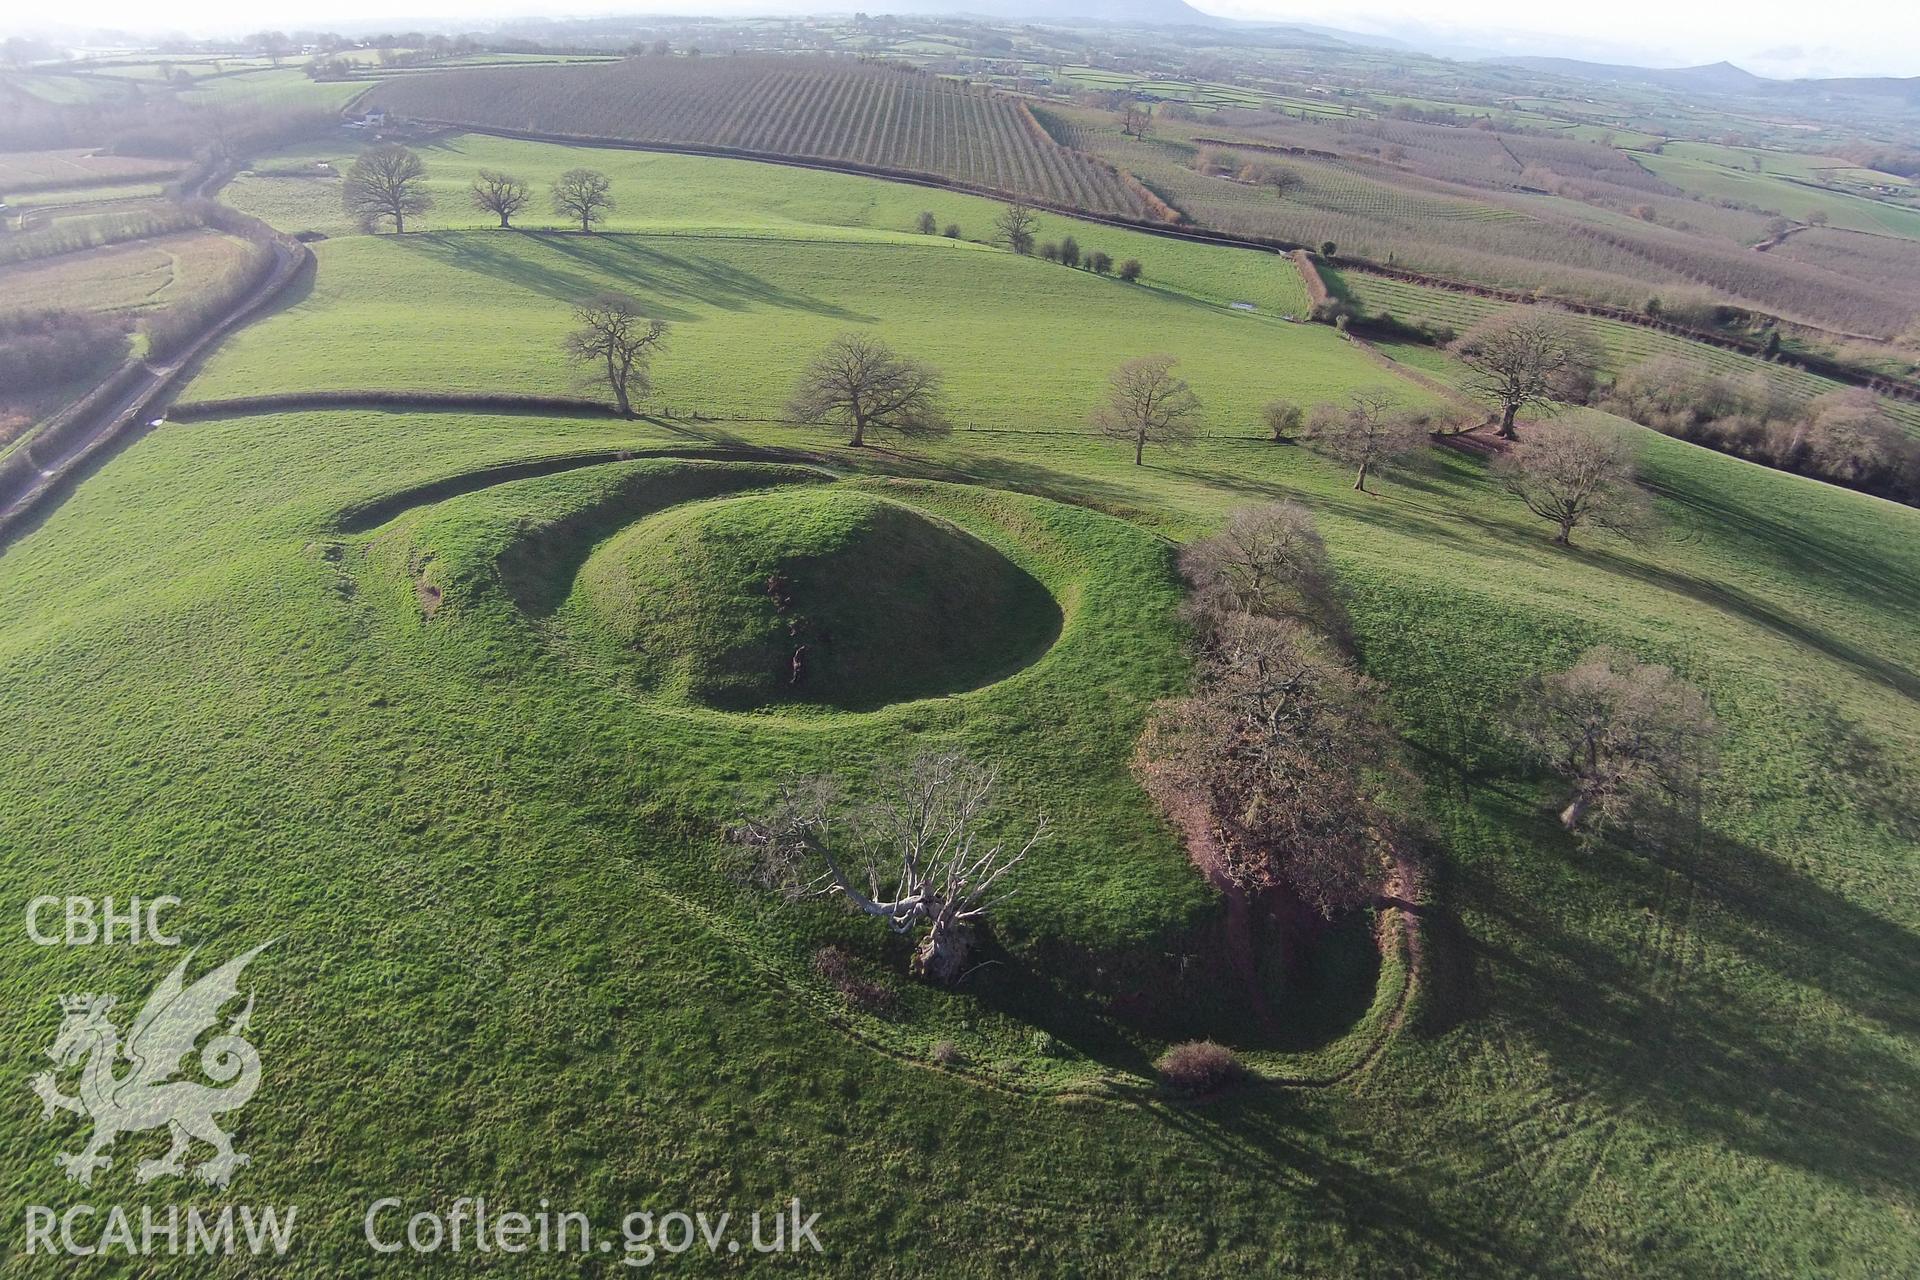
(920, 857)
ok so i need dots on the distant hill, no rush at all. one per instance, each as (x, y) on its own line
(1720, 77)
(1164, 13)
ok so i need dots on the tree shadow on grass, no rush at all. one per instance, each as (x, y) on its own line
(1731, 600)
(1862, 574)
(1697, 1026)
(568, 266)
(495, 255)
(690, 277)
(1264, 1132)
(996, 472)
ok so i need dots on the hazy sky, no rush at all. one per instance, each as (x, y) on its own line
(1769, 37)
(1772, 37)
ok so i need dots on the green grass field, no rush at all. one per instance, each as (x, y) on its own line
(751, 311)
(662, 193)
(1791, 199)
(353, 680)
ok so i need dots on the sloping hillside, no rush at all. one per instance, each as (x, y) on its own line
(883, 116)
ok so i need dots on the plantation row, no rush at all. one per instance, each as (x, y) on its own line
(881, 116)
(1570, 219)
(1444, 312)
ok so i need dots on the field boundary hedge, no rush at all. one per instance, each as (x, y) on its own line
(911, 177)
(26, 481)
(1885, 384)
(1836, 370)
(296, 401)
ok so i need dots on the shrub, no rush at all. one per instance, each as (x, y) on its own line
(1199, 1067)
(952, 231)
(948, 1054)
(1130, 270)
(46, 348)
(837, 967)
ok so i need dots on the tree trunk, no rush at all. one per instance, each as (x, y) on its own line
(619, 385)
(1360, 482)
(399, 223)
(1507, 415)
(503, 220)
(859, 433)
(942, 955)
(1571, 815)
(1564, 538)
(1139, 449)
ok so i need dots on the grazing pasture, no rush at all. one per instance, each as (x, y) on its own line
(750, 311)
(464, 712)
(673, 194)
(497, 807)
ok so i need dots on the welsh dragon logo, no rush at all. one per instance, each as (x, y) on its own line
(152, 1093)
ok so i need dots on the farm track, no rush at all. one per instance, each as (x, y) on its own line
(37, 473)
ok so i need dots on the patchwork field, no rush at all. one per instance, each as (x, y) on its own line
(398, 689)
(865, 113)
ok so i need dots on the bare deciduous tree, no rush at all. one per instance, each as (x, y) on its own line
(1016, 224)
(500, 194)
(584, 195)
(1147, 404)
(615, 341)
(1267, 560)
(1622, 731)
(1284, 180)
(862, 383)
(1574, 476)
(1527, 358)
(1366, 433)
(920, 857)
(1850, 436)
(925, 224)
(386, 182)
(1295, 771)
(1136, 120)
(1284, 420)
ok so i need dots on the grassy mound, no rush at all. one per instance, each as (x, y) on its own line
(833, 597)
